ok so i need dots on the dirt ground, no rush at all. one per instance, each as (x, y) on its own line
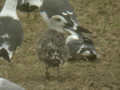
(102, 18)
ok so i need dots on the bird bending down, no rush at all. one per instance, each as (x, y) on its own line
(29, 5)
(81, 47)
(8, 85)
(51, 8)
(11, 34)
(62, 8)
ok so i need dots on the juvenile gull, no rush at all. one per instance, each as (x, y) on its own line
(51, 48)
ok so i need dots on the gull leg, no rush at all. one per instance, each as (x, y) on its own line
(47, 71)
(58, 71)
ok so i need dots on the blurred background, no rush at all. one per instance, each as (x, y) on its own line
(102, 18)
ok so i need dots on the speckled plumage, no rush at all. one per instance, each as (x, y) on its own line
(52, 42)
(52, 49)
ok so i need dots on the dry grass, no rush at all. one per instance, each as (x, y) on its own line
(102, 17)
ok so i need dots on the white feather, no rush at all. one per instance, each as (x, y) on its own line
(6, 47)
(45, 16)
(5, 36)
(69, 12)
(64, 13)
(75, 24)
(9, 9)
(37, 3)
(8, 85)
(81, 47)
(1, 81)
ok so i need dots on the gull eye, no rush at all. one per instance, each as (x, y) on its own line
(57, 19)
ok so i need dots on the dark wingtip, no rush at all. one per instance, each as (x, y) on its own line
(4, 54)
(92, 58)
(82, 30)
(27, 8)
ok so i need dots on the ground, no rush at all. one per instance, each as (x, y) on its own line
(102, 18)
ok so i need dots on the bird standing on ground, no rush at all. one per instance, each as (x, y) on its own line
(51, 45)
(11, 33)
(52, 49)
(8, 85)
